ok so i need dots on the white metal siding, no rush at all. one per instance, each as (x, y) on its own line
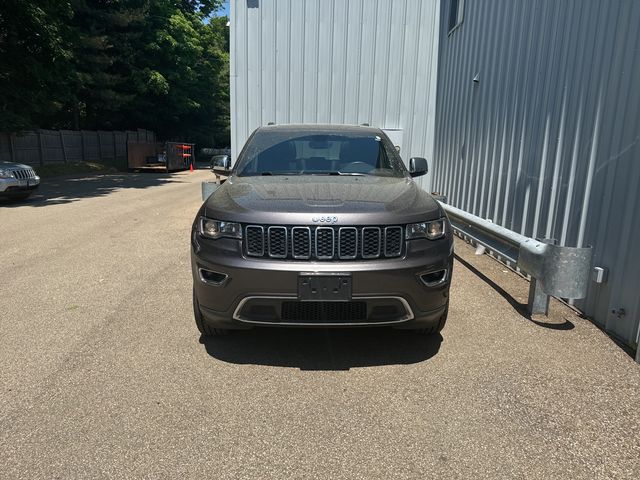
(335, 61)
(548, 142)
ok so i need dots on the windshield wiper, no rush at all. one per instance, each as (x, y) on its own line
(303, 172)
(336, 173)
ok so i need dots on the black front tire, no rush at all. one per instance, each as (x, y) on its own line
(204, 328)
(437, 327)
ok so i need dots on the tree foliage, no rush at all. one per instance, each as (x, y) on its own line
(116, 64)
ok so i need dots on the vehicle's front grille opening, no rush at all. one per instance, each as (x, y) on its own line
(434, 278)
(348, 246)
(392, 241)
(277, 242)
(324, 312)
(370, 242)
(301, 242)
(324, 243)
(23, 174)
(255, 240)
(291, 311)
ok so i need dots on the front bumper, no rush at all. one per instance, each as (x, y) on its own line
(15, 186)
(382, 283)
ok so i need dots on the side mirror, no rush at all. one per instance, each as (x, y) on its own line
(221, 164)
(418, 166)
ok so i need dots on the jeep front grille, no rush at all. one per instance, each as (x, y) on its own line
(323, 243)
(23, 174)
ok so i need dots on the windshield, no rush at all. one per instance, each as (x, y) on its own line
(270, 152)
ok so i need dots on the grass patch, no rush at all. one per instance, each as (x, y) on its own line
(61, 169)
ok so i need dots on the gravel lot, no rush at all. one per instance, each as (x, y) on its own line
(103, 373)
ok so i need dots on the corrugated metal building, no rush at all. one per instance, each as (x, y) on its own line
(546, 140)
(529, 111)
(333, 61)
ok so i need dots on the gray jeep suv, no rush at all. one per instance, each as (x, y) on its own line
(17, 180)
(321, 225)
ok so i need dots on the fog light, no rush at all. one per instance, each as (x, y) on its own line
(432, 279)
(212, 278)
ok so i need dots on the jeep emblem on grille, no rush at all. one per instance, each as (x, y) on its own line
(326, 219)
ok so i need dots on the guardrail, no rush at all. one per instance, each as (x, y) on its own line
(555, 270)
(208, 188)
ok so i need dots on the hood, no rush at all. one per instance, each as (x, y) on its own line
(315, 199)
(11, 165)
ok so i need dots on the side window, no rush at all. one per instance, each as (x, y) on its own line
(456, 14)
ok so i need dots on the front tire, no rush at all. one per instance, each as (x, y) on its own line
(204, 328)
(438, 326)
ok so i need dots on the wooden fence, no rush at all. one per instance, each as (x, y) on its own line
(45, 147)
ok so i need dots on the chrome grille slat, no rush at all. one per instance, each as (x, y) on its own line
(323, 243)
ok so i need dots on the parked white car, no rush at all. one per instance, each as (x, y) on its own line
(17, 180)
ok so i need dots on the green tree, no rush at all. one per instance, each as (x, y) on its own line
(116, 64)
(184, 78)
(34, 63)
(105, 37)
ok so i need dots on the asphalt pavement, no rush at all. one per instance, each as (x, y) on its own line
(104, 375)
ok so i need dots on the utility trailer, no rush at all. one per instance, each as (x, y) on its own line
(160, 157)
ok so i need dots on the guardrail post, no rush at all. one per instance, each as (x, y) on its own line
(538, 302)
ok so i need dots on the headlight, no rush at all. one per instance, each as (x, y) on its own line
(217, 229)
(431, 230)
(6, 173)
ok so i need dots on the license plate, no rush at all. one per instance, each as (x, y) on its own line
(23, 183)
(332, 287)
